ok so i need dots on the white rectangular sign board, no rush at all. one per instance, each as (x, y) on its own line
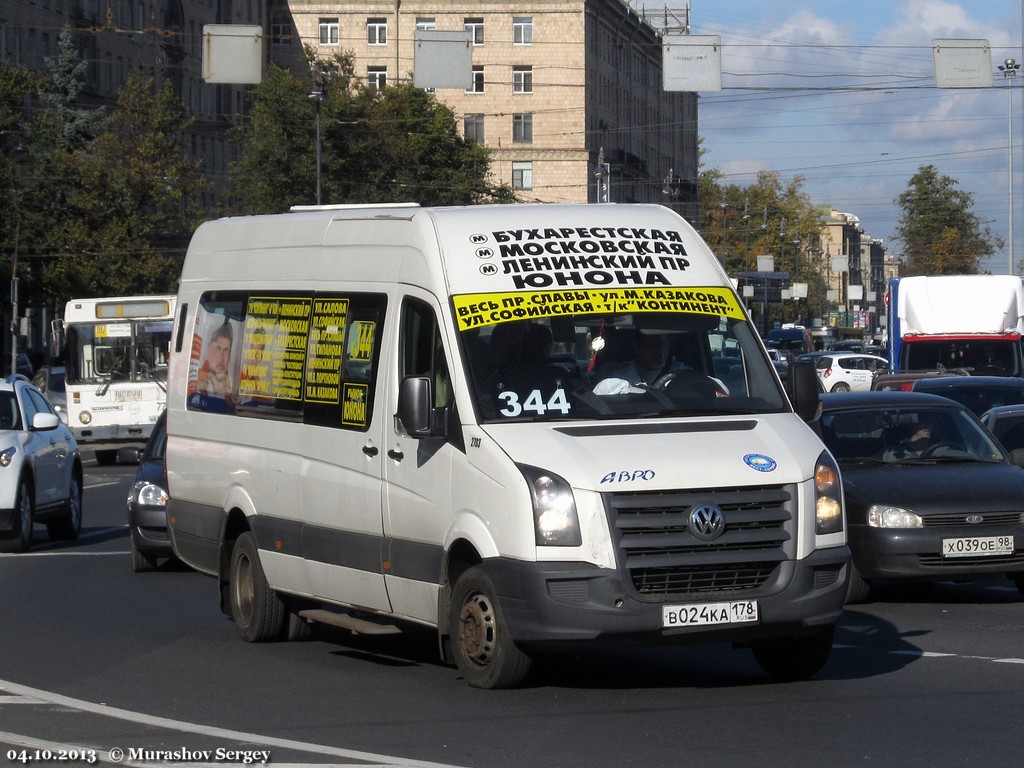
(691, 63)
(232, 53)
(962, 63)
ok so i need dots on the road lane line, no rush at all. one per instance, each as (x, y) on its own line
(384, 761)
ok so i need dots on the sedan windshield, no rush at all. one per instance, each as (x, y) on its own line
(618, 365)
(907, 435)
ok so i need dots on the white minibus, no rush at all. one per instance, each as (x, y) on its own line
(527, 426)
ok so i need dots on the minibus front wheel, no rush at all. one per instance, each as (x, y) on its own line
(259, 613)
(482, 647)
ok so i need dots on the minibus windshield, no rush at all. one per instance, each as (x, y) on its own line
(617, 366)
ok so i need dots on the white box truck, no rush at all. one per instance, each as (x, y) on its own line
(967, 324)
(525, 426)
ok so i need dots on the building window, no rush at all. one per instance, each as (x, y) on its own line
(330, 31)
(377, 77)
(478, 80)
(473, 128)
(522, 30)
(522, 174)
(522, 79)
(522, 128)
(377, 31)
(426, 22)
(475, 27)
(279, 33)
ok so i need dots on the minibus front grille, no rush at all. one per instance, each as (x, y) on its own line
(663, 558)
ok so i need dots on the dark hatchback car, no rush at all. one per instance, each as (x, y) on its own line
(978, 393)
(930, 495)
(147, 500)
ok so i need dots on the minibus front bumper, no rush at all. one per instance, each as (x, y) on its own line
(552, 604)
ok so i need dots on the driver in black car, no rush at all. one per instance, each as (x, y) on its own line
(915, 443)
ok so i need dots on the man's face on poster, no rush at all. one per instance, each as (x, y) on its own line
(219, 355)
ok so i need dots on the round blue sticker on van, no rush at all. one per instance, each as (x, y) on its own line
(760, 462)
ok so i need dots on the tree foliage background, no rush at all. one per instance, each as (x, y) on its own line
(939, 232)
(100, 203)
(395, 144)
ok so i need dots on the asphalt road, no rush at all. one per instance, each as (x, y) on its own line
(96, 659)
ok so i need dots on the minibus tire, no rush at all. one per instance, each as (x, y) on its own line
(259, 614)
(482, 647)
(795, 658)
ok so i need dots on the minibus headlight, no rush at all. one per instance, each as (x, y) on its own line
(882, 516)
(828, 499)
(554, 509)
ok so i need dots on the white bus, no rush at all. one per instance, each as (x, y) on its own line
(115, 354)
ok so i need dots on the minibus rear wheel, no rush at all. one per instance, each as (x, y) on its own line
(482, 647)
(259, 614)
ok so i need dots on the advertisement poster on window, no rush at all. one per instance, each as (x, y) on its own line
(213, 368)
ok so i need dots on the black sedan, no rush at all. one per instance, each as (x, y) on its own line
(930, 495)
(147, 501)
(978, 393)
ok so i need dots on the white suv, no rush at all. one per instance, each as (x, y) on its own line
(848, 371)
(40, 468)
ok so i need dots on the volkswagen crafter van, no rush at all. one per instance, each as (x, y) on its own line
(526, 426)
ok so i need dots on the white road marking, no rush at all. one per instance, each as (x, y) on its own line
(48, 697)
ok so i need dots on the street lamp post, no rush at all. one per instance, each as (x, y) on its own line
(1009, 69)
(317, 95)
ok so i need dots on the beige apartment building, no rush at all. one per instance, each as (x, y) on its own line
(566, 93)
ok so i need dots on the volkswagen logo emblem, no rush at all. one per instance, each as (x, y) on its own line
(707, 522)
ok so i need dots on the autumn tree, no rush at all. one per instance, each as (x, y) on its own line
(939, 232)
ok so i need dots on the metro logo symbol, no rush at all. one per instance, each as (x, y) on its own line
(485, 253)
(478, 239)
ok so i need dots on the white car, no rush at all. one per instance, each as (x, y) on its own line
(849, 371)
(40, 468)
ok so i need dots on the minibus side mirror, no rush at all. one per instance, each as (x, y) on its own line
(802, 386)
(415, 405)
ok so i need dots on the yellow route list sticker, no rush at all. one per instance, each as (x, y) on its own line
(480, 309)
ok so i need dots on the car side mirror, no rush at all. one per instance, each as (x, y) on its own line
(802, 388)
(415, 400)
(129, 454)
(44, 421)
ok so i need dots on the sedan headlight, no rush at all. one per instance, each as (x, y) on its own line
(149, 495)
(7, 456)
(882, 516)
(828, 496)
(556, 523)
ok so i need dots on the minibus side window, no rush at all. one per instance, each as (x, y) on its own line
(422, 350)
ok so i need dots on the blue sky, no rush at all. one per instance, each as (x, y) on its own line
(844, 95)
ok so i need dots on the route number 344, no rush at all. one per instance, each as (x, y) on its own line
(534, 403)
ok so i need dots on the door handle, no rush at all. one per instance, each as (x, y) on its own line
(370, 450)
(396, 454)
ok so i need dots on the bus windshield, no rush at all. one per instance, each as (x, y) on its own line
(619, 366)
(117, 351)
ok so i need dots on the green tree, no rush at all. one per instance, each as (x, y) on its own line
(939, 232)
(131, 204)
(396, 144)
(278, 164)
